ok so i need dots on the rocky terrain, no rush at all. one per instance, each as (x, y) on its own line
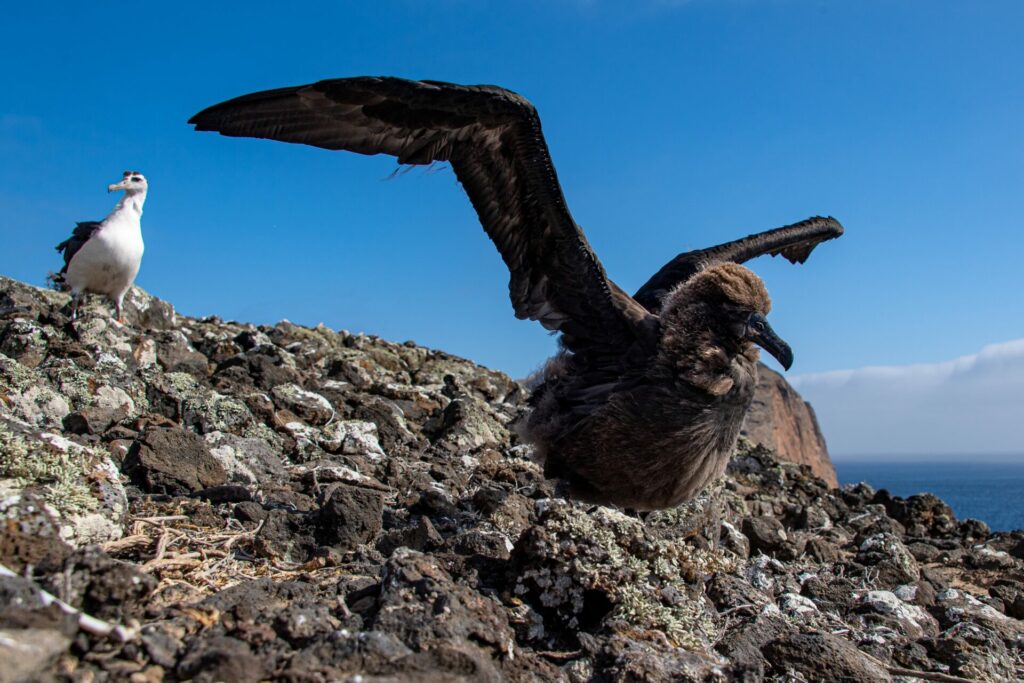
(200, 500)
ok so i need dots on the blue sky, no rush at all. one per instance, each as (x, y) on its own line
(673, 125)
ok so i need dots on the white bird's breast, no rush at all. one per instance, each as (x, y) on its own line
(109, 261)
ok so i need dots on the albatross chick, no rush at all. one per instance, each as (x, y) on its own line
(643, 405)
(103, 257)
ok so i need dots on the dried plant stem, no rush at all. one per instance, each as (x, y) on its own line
(87, 623)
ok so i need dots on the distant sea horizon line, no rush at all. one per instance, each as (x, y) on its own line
(946, 458)
(973, 487)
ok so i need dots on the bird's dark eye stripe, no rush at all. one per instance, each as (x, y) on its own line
(136, 180)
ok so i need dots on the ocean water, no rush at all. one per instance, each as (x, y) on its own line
(991, 492)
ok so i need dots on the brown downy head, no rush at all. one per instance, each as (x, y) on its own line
(729, 303)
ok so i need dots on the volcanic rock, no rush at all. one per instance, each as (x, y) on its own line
(823, 657)
(172, 461)
(304, 504)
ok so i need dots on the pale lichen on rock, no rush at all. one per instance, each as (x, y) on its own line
(80, 485)
(311, 505)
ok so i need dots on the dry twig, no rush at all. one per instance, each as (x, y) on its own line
(87, 623)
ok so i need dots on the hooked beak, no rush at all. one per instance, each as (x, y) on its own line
(123, 185)
(762, 334)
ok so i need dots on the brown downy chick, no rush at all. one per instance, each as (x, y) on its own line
(642, 407)
(657, 436)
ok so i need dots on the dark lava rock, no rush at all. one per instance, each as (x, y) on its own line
(30, 535)
(766, 534)
(22, 607)
(977, 654)
(922, 515)
(822, 550)
(1011, 593)
(93, 419)
(172, 461)
(301, 623)
(249, 511)
(836, 595)
(288, 536)
(162, 647)
(337, 507)
(221, 658)
(924, 552)
(27, 653)
(973, 530)
(421, 604)
(227, 493)
(101, 586)
(350, 517)
(625, 659)
(823, 657)
(421, 536)
(894, 563)
(732, 592)
(745, 645)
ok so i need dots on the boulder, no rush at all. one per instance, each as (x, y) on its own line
(173, 461)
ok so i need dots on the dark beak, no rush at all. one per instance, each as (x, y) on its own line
(762, 334)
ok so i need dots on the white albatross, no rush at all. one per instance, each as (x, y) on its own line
(104, 257)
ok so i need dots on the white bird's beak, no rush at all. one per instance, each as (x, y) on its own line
(123, 185)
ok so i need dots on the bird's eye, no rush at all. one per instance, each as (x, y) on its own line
(136, 180)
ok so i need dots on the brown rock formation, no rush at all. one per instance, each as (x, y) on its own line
(781, 420)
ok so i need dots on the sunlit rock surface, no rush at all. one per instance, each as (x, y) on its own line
(296, 504)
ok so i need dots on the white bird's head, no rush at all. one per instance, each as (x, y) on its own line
(132, 183)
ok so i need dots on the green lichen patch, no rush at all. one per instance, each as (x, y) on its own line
(576, 562)
(206, 410)
(60, 470)
(14, 376)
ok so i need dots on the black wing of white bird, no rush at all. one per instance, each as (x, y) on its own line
(643, 406)
(103, 257)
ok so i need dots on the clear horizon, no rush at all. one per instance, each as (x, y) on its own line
(1016, 458)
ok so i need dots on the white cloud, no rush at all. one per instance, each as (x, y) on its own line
(971, 405)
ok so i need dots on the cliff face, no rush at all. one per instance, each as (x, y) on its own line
(230, 502)
(785, 423)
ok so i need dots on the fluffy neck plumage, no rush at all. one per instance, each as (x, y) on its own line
(131, 202)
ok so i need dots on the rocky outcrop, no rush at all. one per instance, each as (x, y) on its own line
(782, 421)
(227, 502)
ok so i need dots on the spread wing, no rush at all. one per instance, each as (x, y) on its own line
(492, 138)
(794, 242)
(79, 236)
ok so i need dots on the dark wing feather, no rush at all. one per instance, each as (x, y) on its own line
(492, 138)
(794, 242)
(79, 236)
